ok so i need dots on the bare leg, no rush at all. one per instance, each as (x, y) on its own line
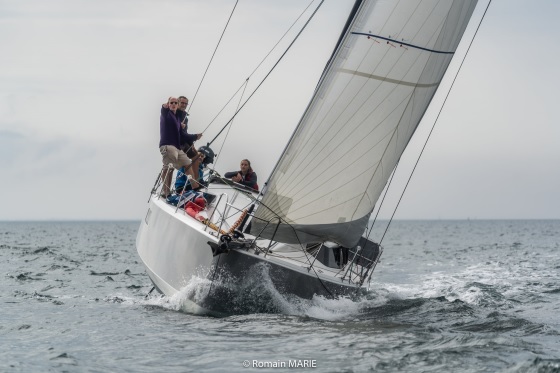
(196, 165)
(167, 175)
(192, 170)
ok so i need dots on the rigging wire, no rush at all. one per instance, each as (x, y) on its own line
(279, 40)
(371, 267)
(311, 267)
(256, 68)
(268, 74)
(435, 122)
(213, 54)
(382, 200)
(229, 129)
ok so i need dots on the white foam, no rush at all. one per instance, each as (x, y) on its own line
(471, 285)
(467, 286)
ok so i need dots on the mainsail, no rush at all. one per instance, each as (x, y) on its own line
(369, 101)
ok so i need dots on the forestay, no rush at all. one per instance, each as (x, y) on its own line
(370, 99)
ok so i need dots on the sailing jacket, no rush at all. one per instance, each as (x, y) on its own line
(249, 180)
(188, 138)
(170, 129)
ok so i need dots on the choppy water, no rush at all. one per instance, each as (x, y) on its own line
(448, 296)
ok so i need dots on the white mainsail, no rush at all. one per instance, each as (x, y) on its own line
(372, 96)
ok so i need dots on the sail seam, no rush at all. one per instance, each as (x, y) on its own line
(388, 80)
(293, 211)
(291, 186)
(402, 43)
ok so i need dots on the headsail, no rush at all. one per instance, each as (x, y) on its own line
(372, 96)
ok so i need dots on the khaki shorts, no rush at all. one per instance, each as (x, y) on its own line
(171, 154)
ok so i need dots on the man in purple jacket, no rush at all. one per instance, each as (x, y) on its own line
(170, 141)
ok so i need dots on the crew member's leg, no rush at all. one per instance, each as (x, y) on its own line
(169, 156)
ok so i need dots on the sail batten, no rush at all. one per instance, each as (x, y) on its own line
(376, 88)
(401, 43)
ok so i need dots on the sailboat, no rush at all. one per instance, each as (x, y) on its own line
(307, 233)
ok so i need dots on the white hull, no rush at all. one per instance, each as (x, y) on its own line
(175, 250)
(173, 247)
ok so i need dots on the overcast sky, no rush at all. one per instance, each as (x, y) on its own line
(81, 84)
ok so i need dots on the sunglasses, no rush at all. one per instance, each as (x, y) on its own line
(183, 103)
(173, 103)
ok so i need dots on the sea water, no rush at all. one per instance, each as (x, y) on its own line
(447, 296)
